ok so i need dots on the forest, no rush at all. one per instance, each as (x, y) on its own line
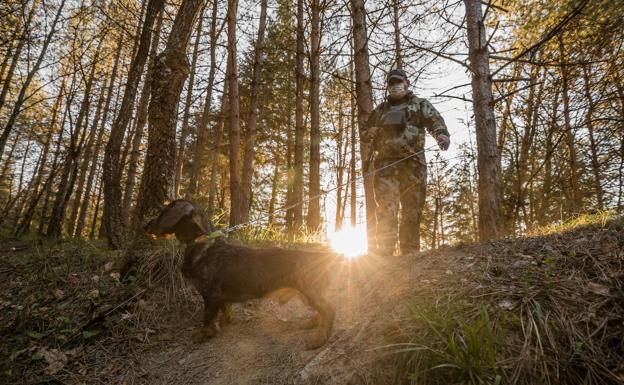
(258, 111)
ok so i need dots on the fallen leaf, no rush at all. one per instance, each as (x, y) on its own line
(55, 358)
(58, 294)
(505, 304)
(598, 289)
(90, 333)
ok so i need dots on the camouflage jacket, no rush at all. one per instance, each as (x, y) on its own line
(401, 126)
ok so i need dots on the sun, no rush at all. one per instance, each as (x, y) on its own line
(349, 241)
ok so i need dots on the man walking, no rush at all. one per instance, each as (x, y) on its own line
(396, 130)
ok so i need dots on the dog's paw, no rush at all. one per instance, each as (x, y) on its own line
(203, 334)
(316, 340)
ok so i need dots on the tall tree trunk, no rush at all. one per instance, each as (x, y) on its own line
(297, 194)
(364, 94)
(234, 118)
(575, 198)
(252, 120)
(47, 187)
(620, 92)
(340, 168)
(274, 186)
(88, 151)
(96, 209)
(214, 161)
(202, 127)
(21, 97)
(490, 219)
(505, 119)
(314, 189)
(141, 120)
(24, 225)
(352, 159)
(592, 140)
(70, 166)
(544, 205)
(522, 166)
(111, 173)
(98, 144)
(398, 59)
(184, 132)
(170, 72)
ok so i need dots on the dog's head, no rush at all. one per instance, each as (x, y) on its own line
(182, 218)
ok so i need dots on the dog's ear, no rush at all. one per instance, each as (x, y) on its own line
(173, 214)
(203, 224)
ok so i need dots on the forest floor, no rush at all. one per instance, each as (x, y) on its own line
(540, 308)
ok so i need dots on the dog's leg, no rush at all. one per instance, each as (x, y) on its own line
(212, 304)
(326, 316)
(226, 313)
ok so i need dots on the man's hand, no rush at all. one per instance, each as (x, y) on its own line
(443, 141)
(372, 132)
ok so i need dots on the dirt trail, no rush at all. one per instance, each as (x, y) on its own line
(265, 344)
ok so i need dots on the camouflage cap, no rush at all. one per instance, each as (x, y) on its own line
(396, 74)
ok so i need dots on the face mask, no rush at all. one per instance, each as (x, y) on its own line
(397, 90)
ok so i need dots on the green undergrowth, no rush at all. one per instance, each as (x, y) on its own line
(538, 310)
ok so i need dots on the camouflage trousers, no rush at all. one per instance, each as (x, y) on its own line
(400, 187)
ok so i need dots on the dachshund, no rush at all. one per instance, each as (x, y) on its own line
(224, 273)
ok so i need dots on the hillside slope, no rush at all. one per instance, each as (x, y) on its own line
(531, 310)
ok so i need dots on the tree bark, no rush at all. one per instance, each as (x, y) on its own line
(252, 120)
(184, 132)
(352, 172)
(340, 168)
(98, 144)
(140, 124)
(364, 95)
(202, 127)
(297, 194)
(314, 187)
(398, 59)
(47, 187)
(170, 72)
(233, 118)
(90, 148)
(490, 219)
(274, 186)
(24, 225)
(111, 173)
(70, 166)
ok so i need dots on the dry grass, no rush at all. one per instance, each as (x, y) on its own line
(549, 309)
(65, 317)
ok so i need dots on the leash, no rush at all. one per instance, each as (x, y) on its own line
(359, 177)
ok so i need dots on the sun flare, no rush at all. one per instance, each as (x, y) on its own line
(349, 241)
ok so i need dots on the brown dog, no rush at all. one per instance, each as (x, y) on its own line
(223, 273)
